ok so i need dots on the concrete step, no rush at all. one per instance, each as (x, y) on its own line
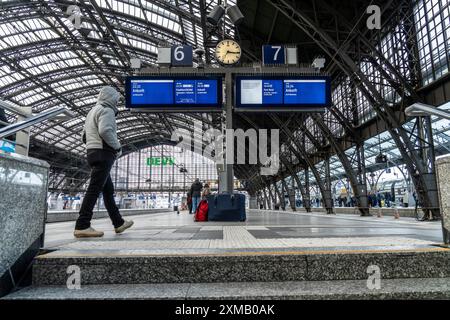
(423, 288)
(239, 266)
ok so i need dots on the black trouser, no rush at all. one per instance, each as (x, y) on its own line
(101, 162)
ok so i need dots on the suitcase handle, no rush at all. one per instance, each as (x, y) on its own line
(215, 200)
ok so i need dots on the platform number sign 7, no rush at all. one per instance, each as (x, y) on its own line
(273, 54)
(182, 56)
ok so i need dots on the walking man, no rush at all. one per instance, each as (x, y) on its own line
(103, 147)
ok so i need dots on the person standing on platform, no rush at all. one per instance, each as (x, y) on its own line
(196, 190)
(189, 202)
(206, 191)
(406, 198)
(103, 148)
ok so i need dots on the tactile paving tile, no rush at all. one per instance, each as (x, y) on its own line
(237, 233)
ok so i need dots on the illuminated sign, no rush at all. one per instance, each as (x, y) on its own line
(287, 93)
(174, 93)
(158, 161)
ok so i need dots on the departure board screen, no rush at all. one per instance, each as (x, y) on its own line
(172, 93)
(153, 92)
(301, 91)
(289, 93)
(195, 92)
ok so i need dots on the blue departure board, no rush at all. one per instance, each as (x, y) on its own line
(195, 92)
(287, 93)
(272, 92)
(143, 92)
(302, 91)
(173, 93)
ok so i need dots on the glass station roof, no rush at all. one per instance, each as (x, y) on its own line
(47, 60)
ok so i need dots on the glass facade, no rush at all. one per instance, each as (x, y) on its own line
(162, 168)
(432, 19)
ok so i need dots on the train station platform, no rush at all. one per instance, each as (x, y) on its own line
(274, 254)
(335, 112)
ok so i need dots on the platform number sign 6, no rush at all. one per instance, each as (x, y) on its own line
(273, 54)
(182, 56)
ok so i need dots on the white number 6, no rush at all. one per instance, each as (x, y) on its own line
(179, 54)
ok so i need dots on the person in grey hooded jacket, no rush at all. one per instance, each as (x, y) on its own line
(102, 147)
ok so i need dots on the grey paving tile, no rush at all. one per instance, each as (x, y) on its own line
(187, 230)
(265, 234)
(280, 229)
(171, 236)
(213, 235)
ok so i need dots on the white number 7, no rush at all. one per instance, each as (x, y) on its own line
(276, 52)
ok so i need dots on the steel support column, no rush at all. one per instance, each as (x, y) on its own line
(278, 195)
(272, 196)
(266, 200)
(359, 191)
(302, 154)
(328, 201)
(307, 197)
(288, 192)
(362, 199)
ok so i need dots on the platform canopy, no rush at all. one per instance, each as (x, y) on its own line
(46, 61)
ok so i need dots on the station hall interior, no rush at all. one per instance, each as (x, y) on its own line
(291, 149)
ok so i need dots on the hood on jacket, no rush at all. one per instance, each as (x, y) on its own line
(108, 98)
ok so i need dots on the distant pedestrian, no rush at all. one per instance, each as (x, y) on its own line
(416, 204)
(196, 191)
(406, 198)
(206, 191)
(189, 202)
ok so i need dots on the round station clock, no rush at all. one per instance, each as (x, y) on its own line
(228, 52)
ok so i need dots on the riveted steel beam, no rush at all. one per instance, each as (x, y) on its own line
(424, 178)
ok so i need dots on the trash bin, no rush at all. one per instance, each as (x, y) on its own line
(175, 208)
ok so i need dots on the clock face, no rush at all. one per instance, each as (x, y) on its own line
(228, 52)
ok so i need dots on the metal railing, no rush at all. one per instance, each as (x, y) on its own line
(33, 120)
(26, 120)
(420, 109)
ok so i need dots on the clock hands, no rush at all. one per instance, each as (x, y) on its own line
(231, 52)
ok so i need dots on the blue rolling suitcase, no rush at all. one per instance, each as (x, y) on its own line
(240, 198)
(226, 207)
